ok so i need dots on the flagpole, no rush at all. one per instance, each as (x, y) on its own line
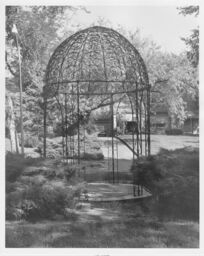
(15, 31)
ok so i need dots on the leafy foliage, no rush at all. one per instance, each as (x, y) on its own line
(189, 10)
(173, 177)
(37, 188)
(15, 165)
(173, 78)
(192, 41)
(44, 201)
(38, 34)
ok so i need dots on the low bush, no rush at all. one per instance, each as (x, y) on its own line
(174, 131)
(45, 201)
(53, 148)
(148, 173)
(41, 201)
(173, 178)
(70, 172)
(90, 148)
(30, 141)
(39, 189)
(13, 213)
(58, 129)
(89, 156)
(13, 208)
(53, 153)
(15, 165)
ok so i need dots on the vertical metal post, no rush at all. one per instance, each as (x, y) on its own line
(137, 119)
(78, 123)
(66, 127)
(84, 140)
(146, 150)
(191, 125)
(63, 133)
(133, 132)
(108, 156)
(45, 126)
(72, 145)
(117, 161)
(112, 138)
(148, 121)
(140, 117)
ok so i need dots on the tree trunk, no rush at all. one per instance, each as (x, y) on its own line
(10, 123)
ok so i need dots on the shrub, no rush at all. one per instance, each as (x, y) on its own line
(13, 213)
(37, 189)
(58, 130)
(45, 201)
(173, 178)
(147, 172)
(70, 172)
(15, 165)
(93, 156)
(174, 131)
(53, 149)
(30, 141)
(35, 197)
(53, 153)
(13, 209)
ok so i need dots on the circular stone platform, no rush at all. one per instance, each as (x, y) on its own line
(106, 192)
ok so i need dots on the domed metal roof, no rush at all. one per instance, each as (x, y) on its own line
(100, 59)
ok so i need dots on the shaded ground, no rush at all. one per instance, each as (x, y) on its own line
(114, 225)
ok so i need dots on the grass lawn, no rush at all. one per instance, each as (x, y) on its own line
(114, 226)
(169, 142)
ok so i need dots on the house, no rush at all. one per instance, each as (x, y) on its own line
(124, 121)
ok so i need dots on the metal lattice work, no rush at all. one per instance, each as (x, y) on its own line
(96, 54)
(97, 67)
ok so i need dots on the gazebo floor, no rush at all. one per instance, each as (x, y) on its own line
(106, 192)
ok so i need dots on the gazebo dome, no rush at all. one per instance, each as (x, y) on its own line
(99, 58)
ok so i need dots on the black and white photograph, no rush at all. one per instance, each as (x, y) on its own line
(101, 125)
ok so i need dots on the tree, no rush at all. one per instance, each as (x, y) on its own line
(192, 41)
(164, 67)
(189, 10)
(38, 33)
(38, 28)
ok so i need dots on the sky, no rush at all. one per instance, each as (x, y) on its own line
(162, 24)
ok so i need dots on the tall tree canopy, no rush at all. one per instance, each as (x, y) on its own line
(193, 40)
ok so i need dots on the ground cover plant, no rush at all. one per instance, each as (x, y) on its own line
(37, 189)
